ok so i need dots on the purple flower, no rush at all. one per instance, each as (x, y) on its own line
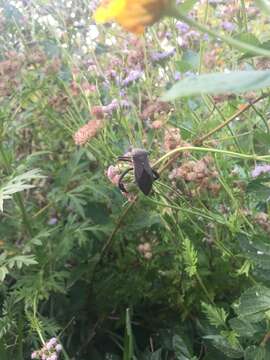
(228, 26)
(157, 56)
(34, 355)
(52, 221)
(115, 105)
(260, 169)
(132, 76)
(51, 343)
(177, 76)
(182, 27)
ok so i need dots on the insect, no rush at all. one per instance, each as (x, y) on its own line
(144, 174)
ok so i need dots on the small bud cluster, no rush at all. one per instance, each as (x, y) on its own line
(201, 172)
(50, 351)
(263, 220)
(146, 250)
(173, 140)
(153, 109)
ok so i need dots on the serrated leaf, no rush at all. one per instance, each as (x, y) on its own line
(242, 327)
(257, 250)
(18, 184)
(256, 353)
(216, 316)
(219, 83)
(222, 344)
(190, 258)
(253, 301)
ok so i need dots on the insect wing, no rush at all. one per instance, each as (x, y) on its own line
(144, 176)
(145, 182)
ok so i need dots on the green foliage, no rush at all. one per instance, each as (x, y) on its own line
(190, 258)
(181, 274)
(219, 83)
(216, 317)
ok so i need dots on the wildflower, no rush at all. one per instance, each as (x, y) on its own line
(177, 76)
(51, 343)
(172, 138)
(88, 131)
(113, 174)
(132, 76)
(98, 112)
(182, 27)
(158, 56)
(263, 220)
(153, 109)
(260, 169)
(58, 348)
(49, 351)
(133, 15)
(146, 250)
(228, 26)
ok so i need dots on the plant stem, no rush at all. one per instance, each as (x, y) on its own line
(230, 119)
(199, 279)
(212, 150)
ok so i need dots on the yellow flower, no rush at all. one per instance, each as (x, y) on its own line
(132, 15)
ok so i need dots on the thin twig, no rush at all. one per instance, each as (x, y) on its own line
(230, 119)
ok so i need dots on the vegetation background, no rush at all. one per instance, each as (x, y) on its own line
(88, 273)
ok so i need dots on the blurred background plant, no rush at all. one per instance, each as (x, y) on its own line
(89, 273)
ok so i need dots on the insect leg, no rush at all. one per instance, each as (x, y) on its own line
(124, 158)
(156, 174)
(120, 183)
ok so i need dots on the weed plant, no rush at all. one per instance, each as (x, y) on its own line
(88, 272)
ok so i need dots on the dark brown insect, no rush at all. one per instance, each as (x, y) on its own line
(144, 174)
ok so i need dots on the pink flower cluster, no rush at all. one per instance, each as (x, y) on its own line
(88, 131)
(50, 351)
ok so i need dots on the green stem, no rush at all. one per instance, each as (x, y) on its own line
(211, 150)
(199, 279)
(26, 221)
(240, 45)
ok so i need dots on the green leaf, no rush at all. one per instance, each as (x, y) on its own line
(17, 184)
(3, 272)
(249, 39)
(256, 249)
(216, 316)
(187, 6)
(264, 5)
(219, 83)
(242, 327)
(157, 355)
(253, 300)
(255, 353)
(192, 58)
(190, 258)
(180, 348)
(221, 343)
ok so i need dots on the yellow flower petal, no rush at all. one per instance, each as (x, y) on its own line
(132, 15)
